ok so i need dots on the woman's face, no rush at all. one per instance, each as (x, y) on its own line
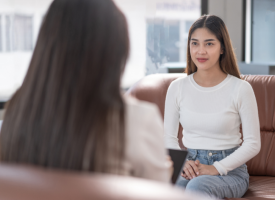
(205, 49)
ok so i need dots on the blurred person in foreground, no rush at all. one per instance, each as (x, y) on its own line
(69, 112)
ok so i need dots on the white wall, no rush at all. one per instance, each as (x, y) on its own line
(231, 12)
(13, 65)
(136, 12)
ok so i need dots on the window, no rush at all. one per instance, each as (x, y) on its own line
(167, 41)
(158, 35)
(162, 41)
(16, 45)
(8, 33)
(22, 33)
(156, 28)
(167, 33)
(18, 33)
(263, 30)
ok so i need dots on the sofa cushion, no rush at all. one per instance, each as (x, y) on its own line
(261, 187)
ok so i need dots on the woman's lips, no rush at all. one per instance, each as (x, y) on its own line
(202, 60)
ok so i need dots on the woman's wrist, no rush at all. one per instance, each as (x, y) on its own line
(215, 171)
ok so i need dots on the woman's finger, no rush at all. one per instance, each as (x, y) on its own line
(197, 162)
(191, 171)
(184, 176)
(195, 167)
(186, 171)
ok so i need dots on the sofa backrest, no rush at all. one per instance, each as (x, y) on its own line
(153, 88)
(32, 183)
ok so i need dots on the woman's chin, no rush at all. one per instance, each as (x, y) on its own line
(203, 66)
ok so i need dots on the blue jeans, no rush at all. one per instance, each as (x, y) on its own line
(233, 185)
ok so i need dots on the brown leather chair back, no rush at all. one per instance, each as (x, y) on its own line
(153, 88)
(32, 183)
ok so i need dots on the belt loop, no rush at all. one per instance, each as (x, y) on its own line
(223, 153)
(195, 155)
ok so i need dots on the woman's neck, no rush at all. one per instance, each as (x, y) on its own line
(209, 78)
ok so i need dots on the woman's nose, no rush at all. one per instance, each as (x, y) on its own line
(201, 50)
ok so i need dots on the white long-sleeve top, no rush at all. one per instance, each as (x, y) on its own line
(211, 118)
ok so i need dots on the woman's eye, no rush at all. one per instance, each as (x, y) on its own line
(194, 43)
(209, 44)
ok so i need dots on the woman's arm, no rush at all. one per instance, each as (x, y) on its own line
(152, 153)
(248, 111)
(145, 152)
(171, 116)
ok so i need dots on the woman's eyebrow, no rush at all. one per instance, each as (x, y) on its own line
(209, 40)
(204, 40)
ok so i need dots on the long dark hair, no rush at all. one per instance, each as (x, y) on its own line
(227, 61)
(69, 111)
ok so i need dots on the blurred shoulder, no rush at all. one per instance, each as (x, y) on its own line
(143, 121)
(135, 106)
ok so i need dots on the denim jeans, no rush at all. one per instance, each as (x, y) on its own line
(232, 185)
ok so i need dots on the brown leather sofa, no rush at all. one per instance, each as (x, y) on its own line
(33, 183)
(261, 168)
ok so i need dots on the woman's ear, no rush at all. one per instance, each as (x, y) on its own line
(222, 51)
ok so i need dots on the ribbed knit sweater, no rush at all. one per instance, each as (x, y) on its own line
(211, 118)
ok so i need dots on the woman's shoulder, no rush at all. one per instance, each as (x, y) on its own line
(242, 90)
(180, 80)
(139, 106)
(143, 121)
(139, 113)
(177, 84)
(241, 85)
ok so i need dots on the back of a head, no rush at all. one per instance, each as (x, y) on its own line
(70, 99)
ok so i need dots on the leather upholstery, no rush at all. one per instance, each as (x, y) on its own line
(33, 183)
(153, 88)
(264, 88)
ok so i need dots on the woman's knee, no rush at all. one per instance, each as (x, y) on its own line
(199, 185)
(182, 182)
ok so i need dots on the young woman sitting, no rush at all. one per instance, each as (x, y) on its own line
(211, 103)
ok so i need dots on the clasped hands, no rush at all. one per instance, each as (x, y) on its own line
(193, 169)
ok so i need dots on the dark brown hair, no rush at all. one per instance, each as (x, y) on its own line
(227, 61)
(69, 111)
